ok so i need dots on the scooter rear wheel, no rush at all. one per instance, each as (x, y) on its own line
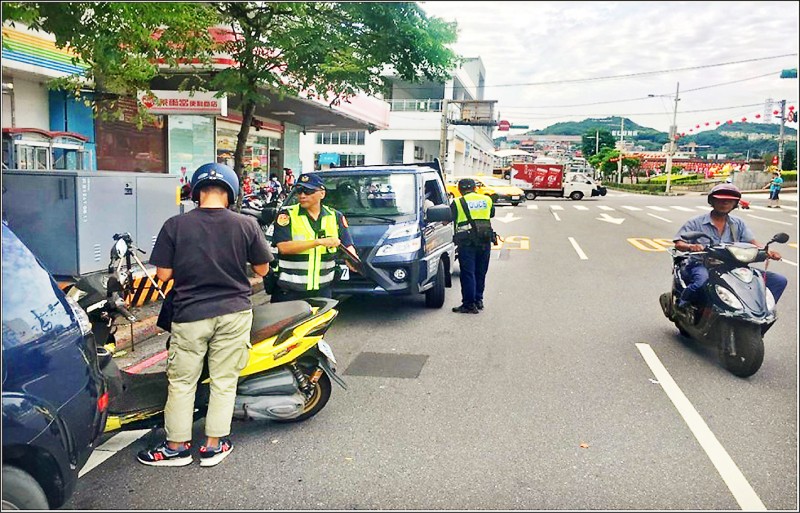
(749, 344)
(317, 401)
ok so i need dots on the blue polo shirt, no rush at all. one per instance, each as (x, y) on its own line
(702, 223)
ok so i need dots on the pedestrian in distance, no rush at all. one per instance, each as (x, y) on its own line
(474, 237)
(288, 178)
(206, 252)
(308, 235)
(720, 227)
(775, 189)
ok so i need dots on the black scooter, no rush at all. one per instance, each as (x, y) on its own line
(737, 308)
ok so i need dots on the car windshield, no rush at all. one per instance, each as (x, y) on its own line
(385, 195)
(495, 182)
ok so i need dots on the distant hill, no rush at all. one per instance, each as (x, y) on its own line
(712, 141)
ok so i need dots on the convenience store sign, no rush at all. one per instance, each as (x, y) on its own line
(183, 102)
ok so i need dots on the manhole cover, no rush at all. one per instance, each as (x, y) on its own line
(387, 365)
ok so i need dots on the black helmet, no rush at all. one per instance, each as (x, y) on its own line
(725, 191)
(466, 184)
(215, 174)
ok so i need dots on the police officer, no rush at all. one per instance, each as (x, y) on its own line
(307, 236)
(474, 241)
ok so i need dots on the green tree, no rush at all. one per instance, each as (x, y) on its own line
(789, 162)
(589, 144)
(328, 50)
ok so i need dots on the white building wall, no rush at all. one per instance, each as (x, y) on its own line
(31, 104)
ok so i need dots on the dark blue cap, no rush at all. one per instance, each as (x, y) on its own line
(311, 181)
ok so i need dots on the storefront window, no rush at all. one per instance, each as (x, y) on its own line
(191, 144)
(121, 146)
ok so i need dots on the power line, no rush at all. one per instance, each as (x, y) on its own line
(627, 75)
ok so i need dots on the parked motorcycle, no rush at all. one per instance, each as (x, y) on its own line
(287, 378)
(737, 310)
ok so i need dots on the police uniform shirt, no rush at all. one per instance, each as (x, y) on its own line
(283, 227)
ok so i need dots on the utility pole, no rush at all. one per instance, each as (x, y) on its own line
(621, 148)
(443, 137)
(597, 141)
(673, 131)
(780, 137)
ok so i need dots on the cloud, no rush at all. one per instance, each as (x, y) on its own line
(534, 42)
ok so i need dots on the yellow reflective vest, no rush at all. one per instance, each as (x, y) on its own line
(313, 268)
(480, 208)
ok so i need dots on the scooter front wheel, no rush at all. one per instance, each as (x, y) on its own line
(314, 404)
(747, 341)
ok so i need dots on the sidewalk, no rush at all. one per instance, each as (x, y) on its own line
(146, 350)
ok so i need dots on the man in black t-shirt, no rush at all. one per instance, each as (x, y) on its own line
(206, 252)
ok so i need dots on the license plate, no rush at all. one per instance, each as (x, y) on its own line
(345, 272)
(514, 197)
(326, 350)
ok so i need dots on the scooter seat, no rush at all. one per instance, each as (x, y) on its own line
(271, 319)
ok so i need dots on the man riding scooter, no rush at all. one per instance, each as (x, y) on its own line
(720, 227)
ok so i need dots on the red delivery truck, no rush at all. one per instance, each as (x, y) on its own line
(551, 180)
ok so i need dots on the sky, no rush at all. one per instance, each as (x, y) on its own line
(574, 45)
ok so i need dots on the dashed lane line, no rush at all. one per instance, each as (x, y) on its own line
(738, 485)
(581, 207)
(631, 208)
(604, 207)
(657, 209)
(682, 209)
(770, 220)
(556, 207)
(659, 217)
(578, 249)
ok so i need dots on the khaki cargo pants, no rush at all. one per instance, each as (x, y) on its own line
(226, 339)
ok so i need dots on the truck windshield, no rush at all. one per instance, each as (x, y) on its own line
(369, 195)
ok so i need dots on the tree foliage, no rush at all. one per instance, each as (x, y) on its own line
(589, 142)
(328, 50)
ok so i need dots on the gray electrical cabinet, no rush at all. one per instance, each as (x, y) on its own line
(68, 218)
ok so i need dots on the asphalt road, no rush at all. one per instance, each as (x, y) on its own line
(570, 391)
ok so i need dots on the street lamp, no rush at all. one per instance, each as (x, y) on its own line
(673, 130)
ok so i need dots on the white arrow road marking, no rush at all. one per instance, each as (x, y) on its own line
(770, 220)
(658, 209)
(111, 447)
(682, 209)
(507, 218)
(659, 217)
(581, 207)
(631, 208)
(607, 218)
(742, 491)
(604, 207)
(555, 215)
(578, 249)
(533, 207)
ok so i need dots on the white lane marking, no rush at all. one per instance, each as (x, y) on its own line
(533, 207)
(659, 217)
(742, 491)
(111, 447)
(631, 208)
(604, 207)
(787, 207)
(555, 215)
(658, 209)
(682, 209)
(759, 207)
(771, 220)
(705, 207)
(788, 262)
(581, 207)
(578, 249)
(556, 207)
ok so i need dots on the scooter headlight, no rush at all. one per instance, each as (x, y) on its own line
(743, 273)
(744, 254)
(728, 298)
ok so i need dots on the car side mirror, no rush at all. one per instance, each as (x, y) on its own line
(439, 213)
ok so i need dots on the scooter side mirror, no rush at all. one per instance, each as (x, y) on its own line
(780, 238)
(119, 249)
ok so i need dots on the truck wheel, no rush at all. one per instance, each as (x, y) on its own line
(434, 297)
(576, 195)
(530, 195)
(507, 175)
(21, 490)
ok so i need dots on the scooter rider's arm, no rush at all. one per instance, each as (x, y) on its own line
(682, 245)
(164, 273)
(774, 255)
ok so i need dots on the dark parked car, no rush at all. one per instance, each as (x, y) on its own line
(54, 396)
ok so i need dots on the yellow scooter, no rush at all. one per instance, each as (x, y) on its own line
(287, 378)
